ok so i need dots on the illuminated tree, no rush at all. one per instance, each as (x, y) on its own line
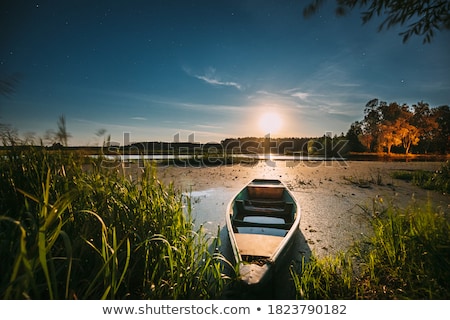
(410, 135)
(390, 135)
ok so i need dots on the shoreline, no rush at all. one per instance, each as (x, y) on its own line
(336, 198)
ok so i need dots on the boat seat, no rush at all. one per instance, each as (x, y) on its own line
(260, 191)
(280, 209)
(242, 223)
(265, 203)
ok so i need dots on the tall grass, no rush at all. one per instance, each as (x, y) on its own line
(410, 255)
(407, 257)
(71, 229)
(438, 180)
(324, 278)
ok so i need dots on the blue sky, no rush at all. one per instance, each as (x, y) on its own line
(213, 68)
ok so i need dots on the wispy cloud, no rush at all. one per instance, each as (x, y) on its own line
(217, 82)
(301, 95)
(211, 77)
(205, 126)
(139, 118)
(210, 108)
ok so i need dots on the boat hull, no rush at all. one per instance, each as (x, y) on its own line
(262, 220)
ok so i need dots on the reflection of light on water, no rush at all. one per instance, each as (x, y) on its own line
(200, 193)
(209, 206)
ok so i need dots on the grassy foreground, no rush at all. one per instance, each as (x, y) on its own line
(406, 257)
(70, 229)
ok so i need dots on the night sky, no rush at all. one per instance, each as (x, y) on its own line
(213, 68)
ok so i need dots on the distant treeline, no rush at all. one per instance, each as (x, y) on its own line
(246, 145)
(386, 128)
(327, 146)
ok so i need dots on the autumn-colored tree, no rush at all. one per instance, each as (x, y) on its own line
(388, 125)
(390, 135)
(409, 134)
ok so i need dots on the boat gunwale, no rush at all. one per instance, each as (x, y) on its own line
(286, 238)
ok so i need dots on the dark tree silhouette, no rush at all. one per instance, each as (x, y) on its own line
(422, 17)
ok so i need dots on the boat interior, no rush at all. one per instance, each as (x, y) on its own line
(264, 209)
(263, 213)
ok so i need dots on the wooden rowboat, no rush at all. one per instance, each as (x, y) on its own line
(262, 220)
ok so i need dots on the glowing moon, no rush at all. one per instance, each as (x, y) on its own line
(270, 122)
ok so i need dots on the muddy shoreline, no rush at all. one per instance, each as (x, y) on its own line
(336, 197)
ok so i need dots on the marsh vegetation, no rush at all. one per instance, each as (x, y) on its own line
(73, 229)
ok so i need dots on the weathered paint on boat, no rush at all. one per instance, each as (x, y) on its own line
(262, 219)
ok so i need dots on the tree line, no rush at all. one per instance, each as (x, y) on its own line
(399, 128)
(389, 128)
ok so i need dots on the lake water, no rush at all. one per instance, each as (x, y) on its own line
(273, 157)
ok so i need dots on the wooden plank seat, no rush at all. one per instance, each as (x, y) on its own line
(261, 191)
(242, 223)
(247, 208)
(265, 203)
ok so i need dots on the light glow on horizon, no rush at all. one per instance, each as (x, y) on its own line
(270, 122)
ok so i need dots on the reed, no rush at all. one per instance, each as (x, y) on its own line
(438, 180)
(406, 257)
(409, 255)
(325, 278)
(72, 229)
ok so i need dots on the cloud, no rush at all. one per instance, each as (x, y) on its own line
(139, 118)
(211, 77)
(301, 95)
(205, 107)
(217, 82)
(297, 93)
(205, 126)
